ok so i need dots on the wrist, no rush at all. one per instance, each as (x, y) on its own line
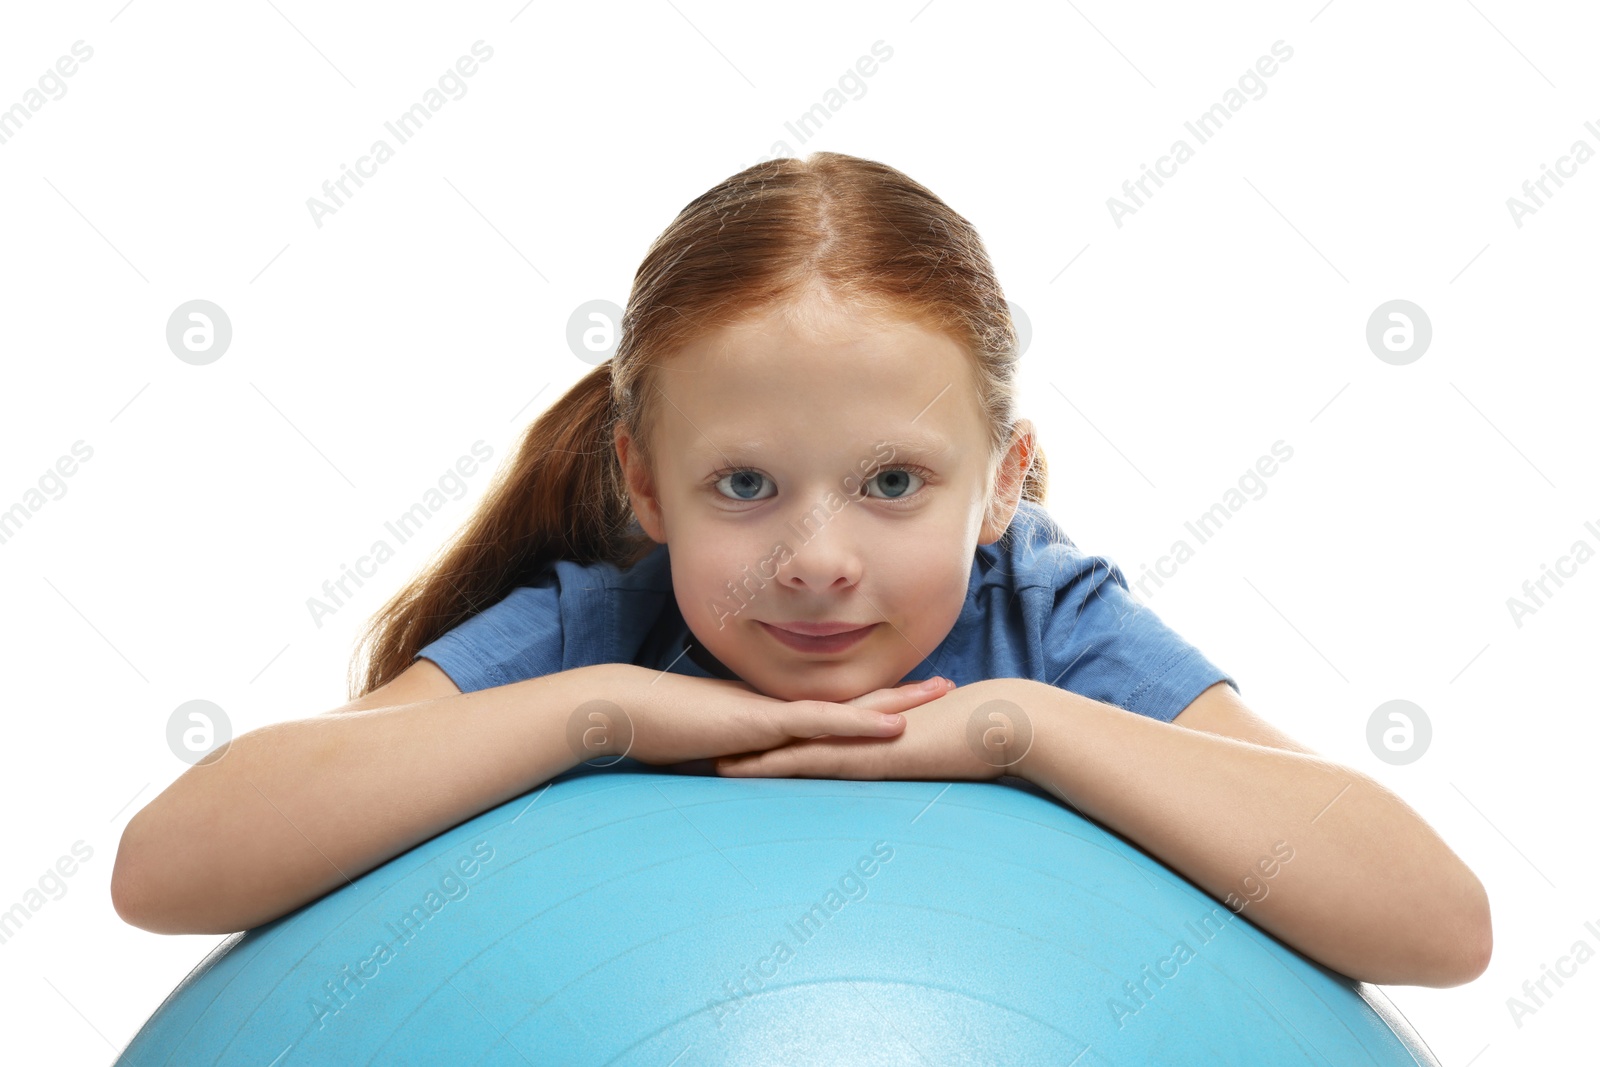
(1000, 723)
(1035, 712)
(599, 725)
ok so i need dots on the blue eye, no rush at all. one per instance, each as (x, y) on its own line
(896, 476)
(744, 480)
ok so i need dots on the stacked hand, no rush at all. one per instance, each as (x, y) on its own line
(932, 730)
(940, 741)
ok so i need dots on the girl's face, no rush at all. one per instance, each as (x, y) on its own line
(813, 467)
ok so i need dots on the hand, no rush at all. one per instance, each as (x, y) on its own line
(678, 720)
(940, 742)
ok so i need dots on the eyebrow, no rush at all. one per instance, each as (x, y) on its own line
(925, 445)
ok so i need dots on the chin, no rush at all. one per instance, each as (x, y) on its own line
(834, 692)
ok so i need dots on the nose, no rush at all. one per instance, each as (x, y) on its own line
(825, 557)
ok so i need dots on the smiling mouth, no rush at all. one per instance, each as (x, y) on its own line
(831, 643)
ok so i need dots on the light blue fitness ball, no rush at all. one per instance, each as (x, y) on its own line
(629, 916)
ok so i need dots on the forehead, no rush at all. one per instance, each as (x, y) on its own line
(831, 377)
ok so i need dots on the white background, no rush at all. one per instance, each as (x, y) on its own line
(1167, 356)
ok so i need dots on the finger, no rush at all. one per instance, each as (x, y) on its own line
(919, 693)
(902, 697)
(796, 760)
(854, 758)
(740, 766)
(820, 718)
(694, 766)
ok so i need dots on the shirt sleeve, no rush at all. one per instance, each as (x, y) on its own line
(1102, 642)
(519, 637)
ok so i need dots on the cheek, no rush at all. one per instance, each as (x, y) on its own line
(926, 586)
(720, 590)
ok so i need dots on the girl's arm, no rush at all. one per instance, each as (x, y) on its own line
(296, 809)
(1369, 889)
(299, 808)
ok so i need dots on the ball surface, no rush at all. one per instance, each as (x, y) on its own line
(629, 916)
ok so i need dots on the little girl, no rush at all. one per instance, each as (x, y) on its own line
(795, 527)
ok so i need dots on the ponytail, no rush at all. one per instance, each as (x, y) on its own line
(560, 497)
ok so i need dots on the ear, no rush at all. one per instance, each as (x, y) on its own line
(1009, 479)
(641, 487)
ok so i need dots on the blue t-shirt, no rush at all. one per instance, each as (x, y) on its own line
(1037, 607)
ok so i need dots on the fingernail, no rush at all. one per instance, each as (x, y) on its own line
(933, 683)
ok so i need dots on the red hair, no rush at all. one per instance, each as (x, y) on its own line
(862, 230)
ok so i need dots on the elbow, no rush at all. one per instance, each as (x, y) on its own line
(123, 902)
(1477, 937)
(129, 882)
(125, 883)
(132, 895)
(1466, 942)
(1467, 962)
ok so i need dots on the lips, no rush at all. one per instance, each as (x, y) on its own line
(843, 637)
(820, 629)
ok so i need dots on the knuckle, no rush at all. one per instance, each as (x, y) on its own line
(817, 712)
(758, 719)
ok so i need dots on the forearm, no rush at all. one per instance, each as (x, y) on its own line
(1371, 891)
(298, 808)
